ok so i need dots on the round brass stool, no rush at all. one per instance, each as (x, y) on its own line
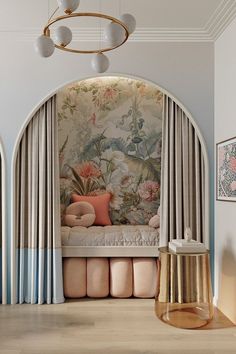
(184, 294)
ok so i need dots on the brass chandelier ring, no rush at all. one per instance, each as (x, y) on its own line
(46, 31)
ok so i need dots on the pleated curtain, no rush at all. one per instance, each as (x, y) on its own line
(1, 265)
(182, 177)
(37, 211)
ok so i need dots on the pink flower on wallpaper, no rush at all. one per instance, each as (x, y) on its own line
(93, 118)
(126, 180)
(233, 186)
(143, 90)
(110, 93)
(148, 190)
(232, 163)
(88, 169)
(61, 158)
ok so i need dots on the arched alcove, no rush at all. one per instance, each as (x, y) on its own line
(178, 104)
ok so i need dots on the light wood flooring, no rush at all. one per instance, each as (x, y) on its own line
(106, 326)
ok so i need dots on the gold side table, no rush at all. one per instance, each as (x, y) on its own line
(184, 294)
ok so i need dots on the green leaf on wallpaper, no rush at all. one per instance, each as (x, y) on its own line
(152, 140)
(155, 166)
(77, 189)
(137, 140)
(65, 197)
(115, 144)
(91, 185)
(64, 145)
(93, 148)
(77, 182)
(88, 186)
(149, 169)
(131, 147)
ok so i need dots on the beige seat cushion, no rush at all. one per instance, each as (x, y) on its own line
(145, 277)
(128, 276)
(74, 277)
(97, 277)
(121, 277)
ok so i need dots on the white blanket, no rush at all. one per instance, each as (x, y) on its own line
(115, 235)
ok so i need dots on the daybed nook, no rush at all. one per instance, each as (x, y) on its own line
(110, 133)
(128, 157)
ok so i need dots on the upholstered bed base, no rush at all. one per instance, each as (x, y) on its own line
(117, 277)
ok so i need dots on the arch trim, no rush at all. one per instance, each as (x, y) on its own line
(37, 107)
(4, 228)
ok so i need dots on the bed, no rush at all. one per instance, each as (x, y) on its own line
(117, 260)
(110, 241)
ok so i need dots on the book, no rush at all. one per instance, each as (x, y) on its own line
(183, 246)
(182, 242)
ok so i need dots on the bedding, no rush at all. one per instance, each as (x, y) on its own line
(114, 235)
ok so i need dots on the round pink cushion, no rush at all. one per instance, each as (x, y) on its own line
(80, 214)
(154, 221)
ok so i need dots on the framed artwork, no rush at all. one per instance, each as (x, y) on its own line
(226, 170)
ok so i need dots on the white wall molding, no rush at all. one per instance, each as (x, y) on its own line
(219, 20)
(91, 34)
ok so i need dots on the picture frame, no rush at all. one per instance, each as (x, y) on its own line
(226, 170)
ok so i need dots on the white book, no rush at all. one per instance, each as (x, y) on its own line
(184, 243)
(200, 248)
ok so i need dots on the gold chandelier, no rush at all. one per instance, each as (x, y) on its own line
(116, 34)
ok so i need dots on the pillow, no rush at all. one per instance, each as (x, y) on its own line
(154, 221)
(100, 204)
(79, 214)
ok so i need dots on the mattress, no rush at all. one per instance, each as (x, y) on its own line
(110, 236)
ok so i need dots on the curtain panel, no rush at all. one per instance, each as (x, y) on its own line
(37, 211)
(182, 177)
(1, 258)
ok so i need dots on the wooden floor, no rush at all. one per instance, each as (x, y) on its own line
(106, 326)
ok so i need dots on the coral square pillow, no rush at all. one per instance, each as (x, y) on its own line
(100, 204)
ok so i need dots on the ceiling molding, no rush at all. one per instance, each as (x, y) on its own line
(221, 18)
(91, 34)
(217, 23)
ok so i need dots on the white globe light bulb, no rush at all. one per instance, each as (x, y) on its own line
(44, 46)
(100, 63)
(63, 36)
(114, 34)
(129, 21)
(68, 6)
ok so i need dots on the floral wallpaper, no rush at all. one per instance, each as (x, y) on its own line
(110, 132)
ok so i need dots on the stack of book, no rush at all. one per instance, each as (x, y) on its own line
(184, 246)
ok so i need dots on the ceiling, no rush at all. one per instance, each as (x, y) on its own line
(157, 20)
